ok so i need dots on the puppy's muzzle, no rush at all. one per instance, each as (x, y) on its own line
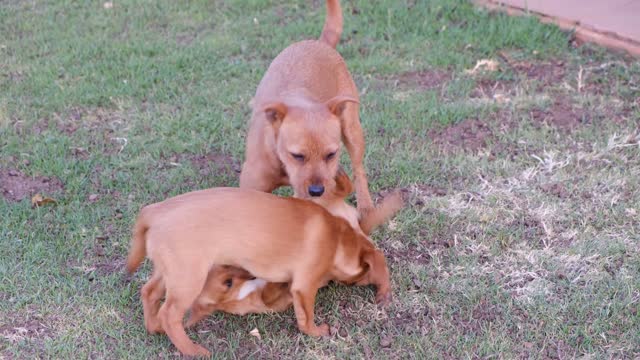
(316, 190)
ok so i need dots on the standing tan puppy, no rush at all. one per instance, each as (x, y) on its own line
(185, 236)
(236, 291)
(305, 107)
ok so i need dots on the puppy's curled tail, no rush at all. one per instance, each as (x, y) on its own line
(138, 249)
(333, 24)
(373, 218)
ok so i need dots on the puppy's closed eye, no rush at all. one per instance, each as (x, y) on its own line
(330, 156)
(298, 157)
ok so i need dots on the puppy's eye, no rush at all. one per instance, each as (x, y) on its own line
(228, 283)
(298, 157)
(330, 156)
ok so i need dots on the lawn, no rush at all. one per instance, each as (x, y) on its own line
(521, 234)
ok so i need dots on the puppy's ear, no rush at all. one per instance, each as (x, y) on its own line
(382, 213)
(338, 104)
(275, 112)
(344, 186)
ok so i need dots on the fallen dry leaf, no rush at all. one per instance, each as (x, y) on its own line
(39, 200)
(107, 5)
(93, 197)
(255, 332)
(484, 65)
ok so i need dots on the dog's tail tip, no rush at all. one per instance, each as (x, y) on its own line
(333, 24)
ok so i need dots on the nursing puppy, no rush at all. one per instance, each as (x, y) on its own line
(236, 291)
(304, 108)
(185, 236)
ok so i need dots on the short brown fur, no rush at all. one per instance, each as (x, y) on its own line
(304, 108)
(275, 297)
(185, 236)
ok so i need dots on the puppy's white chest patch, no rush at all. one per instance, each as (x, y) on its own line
(250, 286)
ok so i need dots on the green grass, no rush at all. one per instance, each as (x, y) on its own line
(529, 249)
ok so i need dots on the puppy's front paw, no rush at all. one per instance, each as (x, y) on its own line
(323, 330)
(153, 326)
(202, 352)
(383, 298)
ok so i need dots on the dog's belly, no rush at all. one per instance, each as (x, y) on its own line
(270, 273)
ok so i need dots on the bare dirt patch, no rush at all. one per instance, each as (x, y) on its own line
(423, 79)
(420, 80)
(480, 320)
(410, 253)
(104, 259)
(16, 186)
(557, 189)
(214, 162)
(531, 230)
(209, 164)
(490, 88)
(468, 135)
(109, 267)
(29, 326)
(561, 115)
(546, 73)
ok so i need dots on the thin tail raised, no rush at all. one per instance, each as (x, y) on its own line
(138, 249)
(382, 213)
(333, 24)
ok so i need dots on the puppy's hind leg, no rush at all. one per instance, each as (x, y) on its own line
(151, 294)
(181, 293)
(198, 312)
(304, 297)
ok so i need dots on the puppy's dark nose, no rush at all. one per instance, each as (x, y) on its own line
(316, 190)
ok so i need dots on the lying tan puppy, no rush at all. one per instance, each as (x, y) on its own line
(305, 107)
(185, 236)
(229, 289)
(237, 292)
